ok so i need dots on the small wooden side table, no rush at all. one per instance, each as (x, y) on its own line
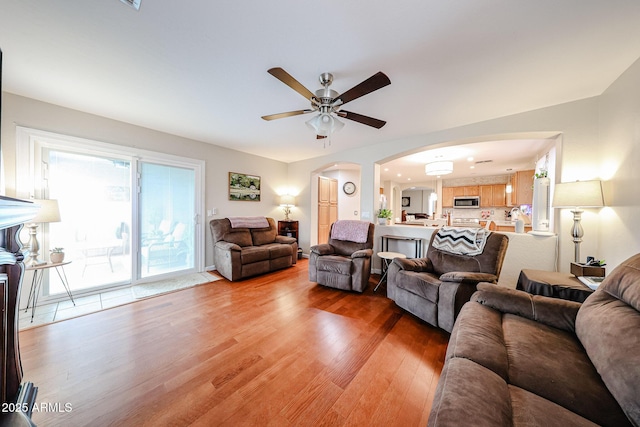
(36, 283)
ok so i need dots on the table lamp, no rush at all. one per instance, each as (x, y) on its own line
(576, 195)
(287, 202)
(49, 212)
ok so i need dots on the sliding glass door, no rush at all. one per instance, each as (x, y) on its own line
(126, 216)
(94, 195)
(167, 219)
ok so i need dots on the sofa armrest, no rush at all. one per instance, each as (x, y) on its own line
(322, 249)
(228, 246)
(414, 264)
(459, 276)
(554, 312)
(362, 253)
(285, 239)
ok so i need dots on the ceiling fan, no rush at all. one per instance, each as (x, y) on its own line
(328, 102)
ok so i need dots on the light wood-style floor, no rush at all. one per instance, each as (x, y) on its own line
(275, 350)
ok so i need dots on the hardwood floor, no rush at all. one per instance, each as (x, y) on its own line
(275, 350)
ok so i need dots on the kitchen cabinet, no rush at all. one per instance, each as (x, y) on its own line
(499, 194)
(447, 197)
(467, 190)
(522, 184)
(486, 196)
(493, 195)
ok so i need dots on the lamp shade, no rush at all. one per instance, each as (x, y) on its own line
(324, 124)
(579, 194)
(287, 200)
(440, 167)
(49, 211)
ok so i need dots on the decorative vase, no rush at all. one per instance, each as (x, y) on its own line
(57, 257)
(382, 221)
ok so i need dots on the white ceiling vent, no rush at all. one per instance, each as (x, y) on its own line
(133, 3)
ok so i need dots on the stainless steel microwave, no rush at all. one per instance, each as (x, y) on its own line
(466, 202)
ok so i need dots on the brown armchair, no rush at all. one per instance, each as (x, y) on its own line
(436, 287)
(341, 263)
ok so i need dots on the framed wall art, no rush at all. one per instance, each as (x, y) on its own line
(244, 187)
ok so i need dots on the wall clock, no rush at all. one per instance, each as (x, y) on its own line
(349, 188)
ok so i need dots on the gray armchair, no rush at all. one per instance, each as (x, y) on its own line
(343, 264)
(436, 287)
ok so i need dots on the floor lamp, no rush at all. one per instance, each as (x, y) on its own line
(576, 195)
(49, 212)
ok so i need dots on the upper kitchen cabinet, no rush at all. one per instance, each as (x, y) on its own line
(522, 184)
(447, 197)
(493, 195)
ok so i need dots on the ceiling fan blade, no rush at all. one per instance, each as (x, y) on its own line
(365, 120)
(320, 137)
(375, 82)
(287, 79)
(287, 114)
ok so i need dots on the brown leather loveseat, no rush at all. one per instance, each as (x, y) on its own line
(248, 246)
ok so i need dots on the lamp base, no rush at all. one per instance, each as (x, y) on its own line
(34, 262)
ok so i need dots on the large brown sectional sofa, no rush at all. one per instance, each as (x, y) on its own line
(515, 359)
(243, 252)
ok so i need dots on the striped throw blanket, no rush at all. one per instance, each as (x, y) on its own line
(351, 230)
(248, 222)
(460, 240)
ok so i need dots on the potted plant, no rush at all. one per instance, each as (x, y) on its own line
(384, 216)
(57, 255)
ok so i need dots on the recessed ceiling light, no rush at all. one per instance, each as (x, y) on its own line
(469, 159)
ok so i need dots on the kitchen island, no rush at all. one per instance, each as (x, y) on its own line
(525, 251)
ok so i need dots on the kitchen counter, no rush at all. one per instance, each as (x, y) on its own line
(525, 250)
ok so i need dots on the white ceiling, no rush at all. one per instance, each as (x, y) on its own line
(198, 69)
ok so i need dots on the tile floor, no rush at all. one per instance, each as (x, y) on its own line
(47, 313)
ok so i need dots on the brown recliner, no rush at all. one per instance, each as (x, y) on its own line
(342, 264)
(436, 287)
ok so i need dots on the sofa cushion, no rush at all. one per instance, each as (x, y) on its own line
(240, 237)
(478, 336)
(529, 409)
(551, 363)
(251, 254)
(470, 394)
(334, 264)
(607, 326)
(277, 250)
(263, 236)
(424, 285)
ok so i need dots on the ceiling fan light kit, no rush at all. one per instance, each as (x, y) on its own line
(327, 102)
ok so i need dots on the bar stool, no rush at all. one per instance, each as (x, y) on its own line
(387, 258)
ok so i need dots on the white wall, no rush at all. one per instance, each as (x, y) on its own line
(618, 161)
(17, 110)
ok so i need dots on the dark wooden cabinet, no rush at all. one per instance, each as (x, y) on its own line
(13, 213)
(288, 228)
